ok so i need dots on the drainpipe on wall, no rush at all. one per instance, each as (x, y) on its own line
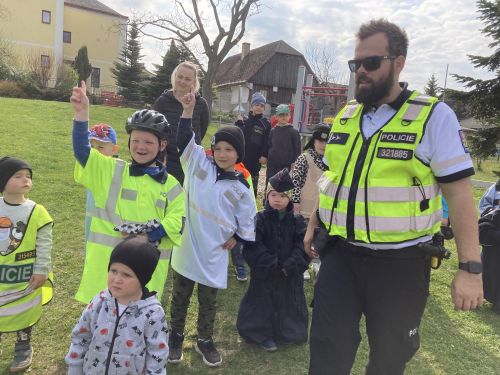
(58, 37)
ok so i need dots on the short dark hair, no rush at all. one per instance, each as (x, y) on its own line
(398, 40)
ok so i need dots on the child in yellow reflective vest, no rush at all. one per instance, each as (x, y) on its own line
(25, 261)
(138, 197)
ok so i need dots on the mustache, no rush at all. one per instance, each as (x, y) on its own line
(363, 79)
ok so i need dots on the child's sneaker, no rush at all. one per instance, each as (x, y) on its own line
(307, 276)
(209, 352)
(23, 355)
(269, 345)
(175, 347)
(241, 274)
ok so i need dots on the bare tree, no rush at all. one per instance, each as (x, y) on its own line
(40, 65)
(324, 63)
(190, 21)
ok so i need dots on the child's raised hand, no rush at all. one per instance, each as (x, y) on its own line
(188, 101)
(80, 102)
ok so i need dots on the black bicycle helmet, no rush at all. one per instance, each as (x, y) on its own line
(150, 121)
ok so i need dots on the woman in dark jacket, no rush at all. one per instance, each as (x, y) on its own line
(274, 306)
(184, 80)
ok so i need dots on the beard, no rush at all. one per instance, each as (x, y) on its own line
(373, 93)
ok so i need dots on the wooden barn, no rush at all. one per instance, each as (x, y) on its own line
(271, 69)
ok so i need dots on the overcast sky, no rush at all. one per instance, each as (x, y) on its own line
(441, 32)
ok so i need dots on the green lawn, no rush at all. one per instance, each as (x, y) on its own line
(40, 132)
(488, 166)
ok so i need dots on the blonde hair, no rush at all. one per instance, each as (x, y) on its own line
(188, 65)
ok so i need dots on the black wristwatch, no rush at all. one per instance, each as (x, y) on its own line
(471, 267)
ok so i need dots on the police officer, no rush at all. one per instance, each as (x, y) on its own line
(379, 200)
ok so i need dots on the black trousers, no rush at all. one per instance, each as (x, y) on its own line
(207, 306)
(389, 288)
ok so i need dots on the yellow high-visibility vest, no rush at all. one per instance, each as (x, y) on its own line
(19, 307)
(121, 198)
(377, 190)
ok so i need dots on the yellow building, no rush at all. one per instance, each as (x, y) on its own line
(54, 30)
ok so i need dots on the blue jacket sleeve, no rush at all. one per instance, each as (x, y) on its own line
(487, 199)
(81, 145)
(184, 134)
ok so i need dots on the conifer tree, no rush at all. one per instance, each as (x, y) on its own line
(128, 70)
(432, 88)
(484, 95)
(161, 79)
(82, 64)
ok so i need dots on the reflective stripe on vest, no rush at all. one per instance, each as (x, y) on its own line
(385, 224)
(129, 194)
(416, 106)
(174, 192)
(350, 110)
(377, 191)
(21, 307)
(108, 212)
(380, 194)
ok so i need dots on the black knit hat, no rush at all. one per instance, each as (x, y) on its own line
(138, 254)
(232, 135)
(281, 182)
(8, 167)
(321, 133)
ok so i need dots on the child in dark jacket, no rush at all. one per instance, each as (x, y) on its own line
(274, 306)
(256, 130)
(284, 143)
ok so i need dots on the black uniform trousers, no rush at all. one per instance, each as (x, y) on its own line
(390, 287)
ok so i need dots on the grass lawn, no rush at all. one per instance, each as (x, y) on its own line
(40, 132)
(488, 166)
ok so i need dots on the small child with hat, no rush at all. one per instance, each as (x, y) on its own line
(123, 329)
(284, 143)
(274, 307)
(25, 261)
(256, 130)
(220, 211)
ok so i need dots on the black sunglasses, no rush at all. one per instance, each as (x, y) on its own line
(370, 63)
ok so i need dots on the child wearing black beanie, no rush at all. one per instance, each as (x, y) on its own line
(25, 258)
(220, 212)
(124, 315)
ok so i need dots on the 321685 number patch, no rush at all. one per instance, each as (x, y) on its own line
(394, 153)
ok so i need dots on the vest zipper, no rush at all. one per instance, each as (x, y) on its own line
(110, 352)
(341, 181)
(366, 188)
(353, 191)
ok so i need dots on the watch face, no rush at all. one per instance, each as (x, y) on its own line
(471, 267)
(475, 267)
